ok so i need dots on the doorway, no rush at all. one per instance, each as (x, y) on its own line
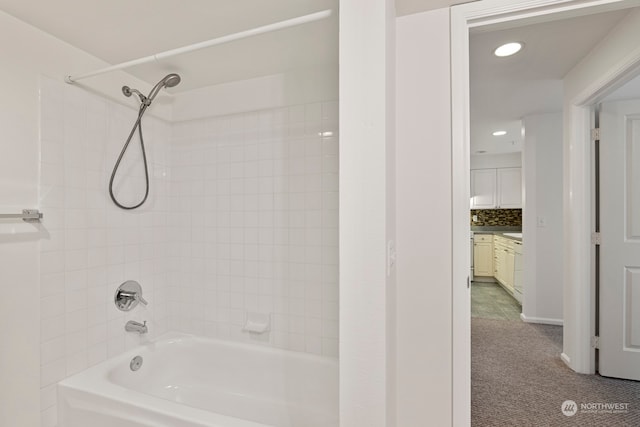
(580, 92)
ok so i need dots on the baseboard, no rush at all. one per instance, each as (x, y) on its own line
(484, 279)
(566, 359)
(542, 320)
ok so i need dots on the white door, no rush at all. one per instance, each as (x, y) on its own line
(620, 247)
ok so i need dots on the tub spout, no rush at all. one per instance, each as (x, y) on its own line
(133, 326)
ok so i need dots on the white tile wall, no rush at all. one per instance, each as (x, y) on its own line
(242, 217)
(260, 191)
(92, 246)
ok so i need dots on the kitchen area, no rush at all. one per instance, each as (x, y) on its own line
(516, 175)
(496, 238)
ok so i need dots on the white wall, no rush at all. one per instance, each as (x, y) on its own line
(294, 87)
(543, 243)
(366, 95)
(490, 161)
(26, 54)
(587, 76)
(254, 219)
(423, 209)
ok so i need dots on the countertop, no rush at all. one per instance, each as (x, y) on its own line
(487, 229)
(499, 233)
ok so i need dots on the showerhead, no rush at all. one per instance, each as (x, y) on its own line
(127, 91)
(170, 80)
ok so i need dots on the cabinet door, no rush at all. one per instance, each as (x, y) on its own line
(483, 189)
(509, 188)
(483, 259)
(509, 269)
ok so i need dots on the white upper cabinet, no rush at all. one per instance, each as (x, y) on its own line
(496, 188)
(483, 189)
(509, 186)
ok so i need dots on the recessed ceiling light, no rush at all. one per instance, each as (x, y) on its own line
(508, 49)
(499, 133)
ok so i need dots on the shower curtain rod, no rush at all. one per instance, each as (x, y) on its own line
(208, 43)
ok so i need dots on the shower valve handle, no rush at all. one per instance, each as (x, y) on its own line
(128, 295)
(134, 296)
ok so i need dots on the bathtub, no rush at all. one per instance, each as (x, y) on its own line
(187, 381)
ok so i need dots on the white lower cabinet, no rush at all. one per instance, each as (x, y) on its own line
(483, 255)
(517, 271)
(501, 258)
(504, 261)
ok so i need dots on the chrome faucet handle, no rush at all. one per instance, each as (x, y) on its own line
(128, 295)
(134, 296)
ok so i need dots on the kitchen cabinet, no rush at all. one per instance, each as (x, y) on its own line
(517, 271)
(483, 255)
(496, 188)
(509, 188)
(504, 261)
(483, 189)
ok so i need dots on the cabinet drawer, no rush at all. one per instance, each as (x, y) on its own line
(483, 238)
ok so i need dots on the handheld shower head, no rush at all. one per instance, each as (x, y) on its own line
(170, 80)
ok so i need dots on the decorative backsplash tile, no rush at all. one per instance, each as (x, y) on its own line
(496, 217)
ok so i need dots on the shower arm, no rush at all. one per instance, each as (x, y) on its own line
(205, 44)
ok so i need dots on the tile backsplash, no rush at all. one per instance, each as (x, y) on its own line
(496, 217)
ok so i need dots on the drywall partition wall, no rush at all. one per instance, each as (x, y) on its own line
(542, 226)
(91, 246)
(254, 221)
(423, 209)
(607, 60)
(366, 93)
(26, 53)
(490, 161)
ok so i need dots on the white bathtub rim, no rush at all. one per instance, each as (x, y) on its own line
(85, 381)
(170, 338)
(167, 408)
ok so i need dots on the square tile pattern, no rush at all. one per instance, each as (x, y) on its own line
(242, 217)
(491, 301)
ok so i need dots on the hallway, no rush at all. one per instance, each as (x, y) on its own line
(518, 378)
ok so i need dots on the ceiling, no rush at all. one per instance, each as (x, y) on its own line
(629, 90)
(503, 90)
(122, 30)
(407, 7)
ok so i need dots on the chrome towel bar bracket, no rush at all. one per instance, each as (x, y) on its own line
(27, 215)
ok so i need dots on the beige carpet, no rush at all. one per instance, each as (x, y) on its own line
(518, 380)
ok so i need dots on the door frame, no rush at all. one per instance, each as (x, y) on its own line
(579, 254)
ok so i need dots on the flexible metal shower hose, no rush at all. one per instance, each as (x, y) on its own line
(138, 124)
